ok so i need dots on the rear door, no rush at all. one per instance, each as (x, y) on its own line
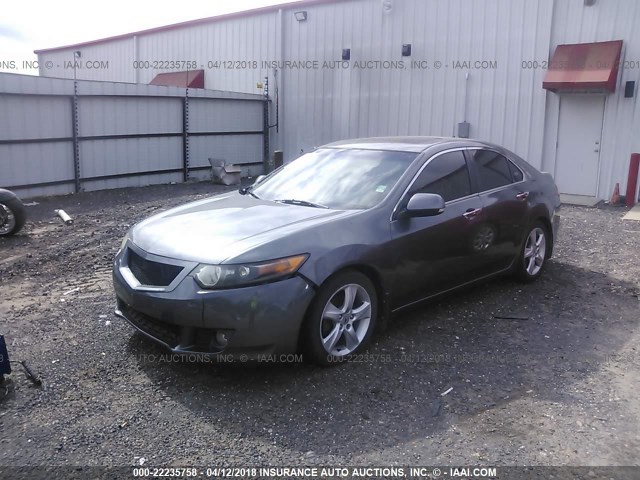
(504, 192)
(433, 254)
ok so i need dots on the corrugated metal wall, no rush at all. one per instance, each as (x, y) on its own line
(505, 104)
(112, 62)
(501, 103)
(245, 39)
(133, 59)
(122, 129)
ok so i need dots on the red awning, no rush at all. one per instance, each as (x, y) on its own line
(191, 79)
(584, 66)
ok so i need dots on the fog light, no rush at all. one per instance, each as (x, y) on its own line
(222, 338)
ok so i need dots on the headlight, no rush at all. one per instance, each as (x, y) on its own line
(227, 276)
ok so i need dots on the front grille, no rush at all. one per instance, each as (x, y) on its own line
(152, 273)
(165, 332)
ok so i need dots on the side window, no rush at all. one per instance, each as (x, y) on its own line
(495, 170)
(446, 175)
(516, 173)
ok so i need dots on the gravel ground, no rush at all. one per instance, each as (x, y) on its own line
(555, 386)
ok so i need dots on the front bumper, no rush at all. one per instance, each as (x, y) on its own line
(256, 321)
(555, 223)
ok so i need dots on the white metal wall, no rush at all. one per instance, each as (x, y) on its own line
(506, 105)
(502, 104)
(143, 126)
(238, 39)
(243, 39)
(112, 62)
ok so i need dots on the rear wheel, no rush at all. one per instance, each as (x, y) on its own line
(341, 319)
(533, 255)
(12, 216)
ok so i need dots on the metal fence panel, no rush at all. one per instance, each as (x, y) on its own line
(237, 149)
(34, 117)
(129, 155)
(129, 116)
(49, 158)
(35, 163)
(120, 135)
(137, 181)
(214, 115)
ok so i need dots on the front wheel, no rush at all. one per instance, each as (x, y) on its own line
(341, 319)
(533, 256)
(12, 216)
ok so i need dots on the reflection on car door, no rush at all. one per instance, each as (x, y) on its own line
(434, 254)
(504, 192)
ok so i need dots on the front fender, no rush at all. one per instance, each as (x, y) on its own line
(6, 195)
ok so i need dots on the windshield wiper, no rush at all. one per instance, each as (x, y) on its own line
(302, 203)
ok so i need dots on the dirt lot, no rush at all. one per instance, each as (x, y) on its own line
(556, 386)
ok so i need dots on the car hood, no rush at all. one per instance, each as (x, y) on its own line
(220, 228)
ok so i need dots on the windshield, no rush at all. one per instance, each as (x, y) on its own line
(341, 179)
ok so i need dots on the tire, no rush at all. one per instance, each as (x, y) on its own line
(341, 318)
(12, 216)
(532, 260)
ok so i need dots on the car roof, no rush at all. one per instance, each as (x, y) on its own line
(403, 144)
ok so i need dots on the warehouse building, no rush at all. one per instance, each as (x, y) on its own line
(553, 80)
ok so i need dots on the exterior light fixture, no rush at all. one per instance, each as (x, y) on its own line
(301, 16)
(346, 54)
(406, 50)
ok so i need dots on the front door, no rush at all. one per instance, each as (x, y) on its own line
(578, 149)
(433, 254)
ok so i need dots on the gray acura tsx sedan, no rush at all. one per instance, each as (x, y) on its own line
(316, 255)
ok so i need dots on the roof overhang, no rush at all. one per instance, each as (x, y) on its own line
(190, 79)
(584, 67)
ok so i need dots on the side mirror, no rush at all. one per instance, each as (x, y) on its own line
(424, 205)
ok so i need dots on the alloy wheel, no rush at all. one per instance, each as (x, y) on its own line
(345, 320)
(535, 250)
(7, 220)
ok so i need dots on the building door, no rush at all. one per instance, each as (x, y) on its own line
(578, 150)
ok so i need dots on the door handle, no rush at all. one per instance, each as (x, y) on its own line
(471, 213)
(522, 195)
